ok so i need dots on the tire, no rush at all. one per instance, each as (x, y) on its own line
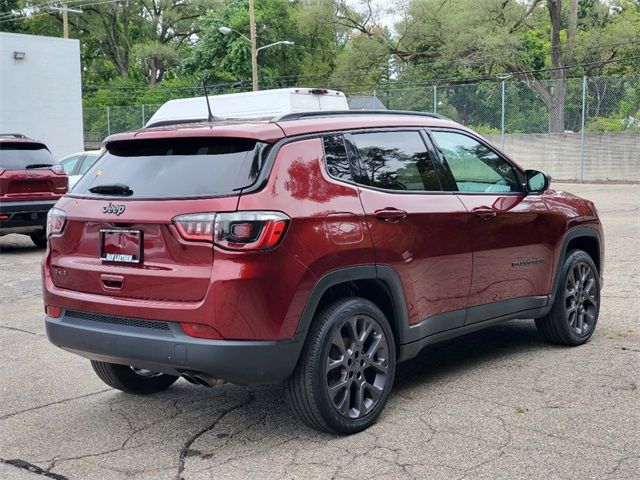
(576, 306)
(130, 380)
(40, 239)
(350, 346)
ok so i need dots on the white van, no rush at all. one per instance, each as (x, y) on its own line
(255, 105)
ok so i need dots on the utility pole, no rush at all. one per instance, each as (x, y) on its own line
(253, 41)
(65, 17)
(65, 20)
(254, 49)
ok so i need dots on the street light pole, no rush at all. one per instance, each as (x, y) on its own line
(254, 49)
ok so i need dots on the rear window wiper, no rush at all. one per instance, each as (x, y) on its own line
(38, 165)
(112, 189)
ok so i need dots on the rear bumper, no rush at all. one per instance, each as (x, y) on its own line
(25, 216)
(164, 347)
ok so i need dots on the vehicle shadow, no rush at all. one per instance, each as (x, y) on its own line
(470, 351)
(217, 428)
(15, 244)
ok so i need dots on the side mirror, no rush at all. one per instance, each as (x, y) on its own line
(536, 181)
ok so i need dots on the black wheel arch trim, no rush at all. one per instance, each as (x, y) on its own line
(572, 234)
(383, 273)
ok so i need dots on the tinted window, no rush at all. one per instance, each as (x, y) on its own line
(174, 168)
(475, 167)
(396, 161)
(69, 164)
(88, 161)
(16, 156)
(336, 158)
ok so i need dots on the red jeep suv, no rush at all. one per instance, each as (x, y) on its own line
(30, 184)
(320, 249)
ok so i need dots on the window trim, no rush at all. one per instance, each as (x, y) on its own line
(449, 174)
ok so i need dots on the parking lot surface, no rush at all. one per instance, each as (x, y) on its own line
(495, 404)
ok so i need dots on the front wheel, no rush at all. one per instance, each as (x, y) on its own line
(346, 371)
(574, 315)
(131, 379)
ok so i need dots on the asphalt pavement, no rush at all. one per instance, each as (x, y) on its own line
(497, 404)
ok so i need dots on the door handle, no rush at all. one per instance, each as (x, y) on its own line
(391, 215)
(485, 213)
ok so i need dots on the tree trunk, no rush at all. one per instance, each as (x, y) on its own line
(557, 105)
(556, 116)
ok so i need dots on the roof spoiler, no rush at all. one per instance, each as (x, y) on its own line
(13, 135)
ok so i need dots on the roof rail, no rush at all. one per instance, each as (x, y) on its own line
(14, 135)
(338, 113)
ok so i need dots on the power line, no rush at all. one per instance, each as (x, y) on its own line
(423, 83)
(24, 12)
(27, 16)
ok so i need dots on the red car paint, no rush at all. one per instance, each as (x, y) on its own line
(30, 183)
(446, 255)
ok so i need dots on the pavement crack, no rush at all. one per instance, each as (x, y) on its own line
(15, 329)
(187, 445)
(628, 349)
(59, 402)
(30, 467)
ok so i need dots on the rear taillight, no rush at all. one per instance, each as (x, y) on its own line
(234, 230)
(197, 227)
(58, 170)
(56, 220)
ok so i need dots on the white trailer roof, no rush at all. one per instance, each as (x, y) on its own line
(261, 104)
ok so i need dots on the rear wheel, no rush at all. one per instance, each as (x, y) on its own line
(39, 238)
(346, 371)
(132, 380)
(574, 315)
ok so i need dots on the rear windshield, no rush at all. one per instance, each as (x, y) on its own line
(17, 155)
(176, 168)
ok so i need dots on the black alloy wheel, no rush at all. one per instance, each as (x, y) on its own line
(346, 369)
(357, 366)
(576, 306)
(581, 298)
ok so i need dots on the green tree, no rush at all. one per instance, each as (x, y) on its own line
(518, 37)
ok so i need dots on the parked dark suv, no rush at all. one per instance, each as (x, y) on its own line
(320, 249)
(30, 184)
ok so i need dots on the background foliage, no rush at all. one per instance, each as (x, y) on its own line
(137, 52)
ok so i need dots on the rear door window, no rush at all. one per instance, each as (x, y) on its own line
(20, 155)
(88, 161)
(69, 164)
(396, 161)
(176, 167)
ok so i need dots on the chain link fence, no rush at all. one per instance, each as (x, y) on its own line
(586, 129)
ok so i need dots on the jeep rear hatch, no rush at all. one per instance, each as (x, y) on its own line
(119, 233)
(28, 171)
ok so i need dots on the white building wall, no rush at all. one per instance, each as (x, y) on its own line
(41, 95)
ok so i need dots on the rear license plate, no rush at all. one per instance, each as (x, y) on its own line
(121, 246)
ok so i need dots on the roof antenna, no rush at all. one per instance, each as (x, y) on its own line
(206, 97)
